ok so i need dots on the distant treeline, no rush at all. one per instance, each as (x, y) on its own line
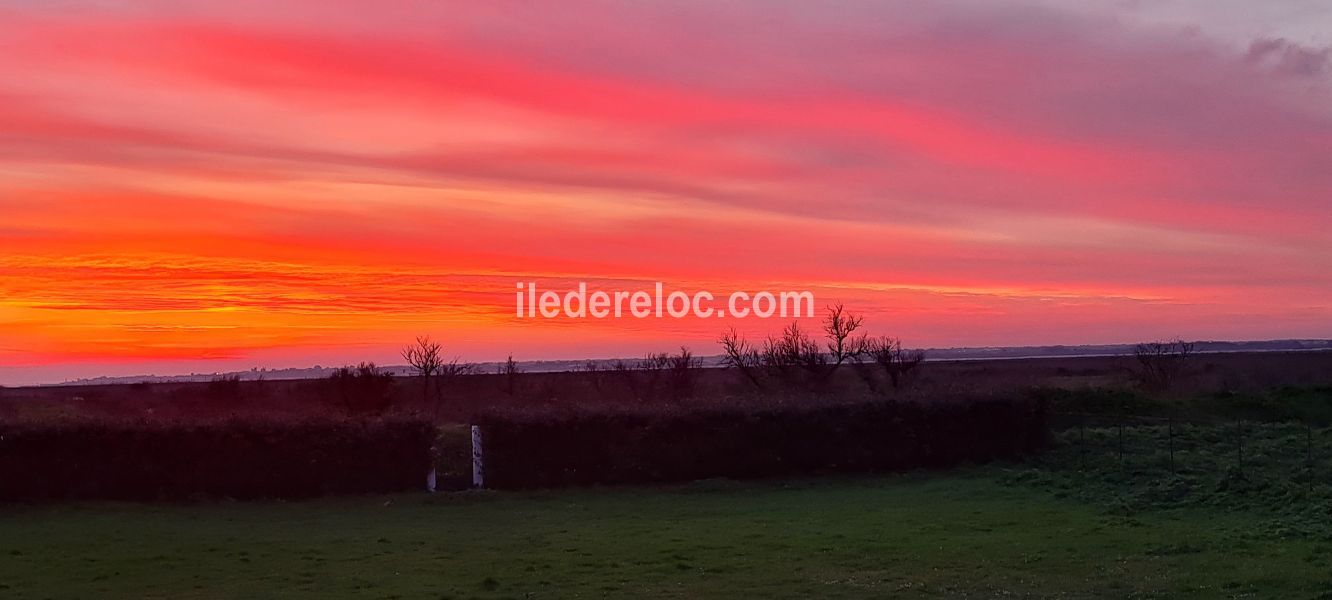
(710, 361)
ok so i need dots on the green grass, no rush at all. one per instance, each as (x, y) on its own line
(981, 532)
(1283, 476)
(1282, 403)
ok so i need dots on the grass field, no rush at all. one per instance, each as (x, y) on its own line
(982, 532)
(1217, 508)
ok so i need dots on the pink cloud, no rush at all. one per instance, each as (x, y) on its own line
(866, 146)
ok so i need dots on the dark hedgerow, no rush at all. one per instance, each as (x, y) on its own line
(235, 459)
(526, 451)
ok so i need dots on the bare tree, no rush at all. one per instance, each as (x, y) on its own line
(1161, 364)
(867, 372)
(683, 370)
(740, 355)
(896, 362)
(840, 326)
(510, 370)
(644, 378)
(425, 358)
(795, 349)
(793, 355)
(653, 367)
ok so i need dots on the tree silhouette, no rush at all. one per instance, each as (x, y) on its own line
(424, 356)
(1161, 364)
(897, 363)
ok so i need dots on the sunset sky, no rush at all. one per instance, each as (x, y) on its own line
(218, 185)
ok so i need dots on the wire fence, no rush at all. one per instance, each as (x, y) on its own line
(1147, 445)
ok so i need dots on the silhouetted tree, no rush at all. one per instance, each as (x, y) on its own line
(683, 371)
(739, 354)
(794, 356)
(652, 368)
(840, 326)
(1161, 364)
(896, 362)
(510, 370)
(424, 357)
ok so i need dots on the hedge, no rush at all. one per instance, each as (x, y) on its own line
(529, 451)
(229, 459)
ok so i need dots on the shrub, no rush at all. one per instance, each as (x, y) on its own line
(236, 459)
(659, 375)
(1160, 365)
(898, 364)
(683, 368)
(620, 447)
(510, 371)
(363, 389)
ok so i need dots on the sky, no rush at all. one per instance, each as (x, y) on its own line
(200, 186)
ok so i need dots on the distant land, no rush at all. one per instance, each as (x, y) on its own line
(549, 366)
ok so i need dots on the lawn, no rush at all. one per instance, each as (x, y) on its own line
(981, 532)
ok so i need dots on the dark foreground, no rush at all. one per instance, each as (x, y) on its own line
(984, 532)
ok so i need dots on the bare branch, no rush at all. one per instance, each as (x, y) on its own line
(739, 354)
(426, 358)
(1161, 364)
(896, 362)
(840, 326)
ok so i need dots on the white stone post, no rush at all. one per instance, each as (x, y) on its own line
(478, 465)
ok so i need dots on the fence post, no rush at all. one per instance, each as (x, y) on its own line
(1239, 436)
(1082, 442)
(431, 476)
(478, 463)
(1170, 432)
(1308, 452)
(1123, 412)
(1121, 440)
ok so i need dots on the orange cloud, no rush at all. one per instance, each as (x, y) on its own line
(226, 186)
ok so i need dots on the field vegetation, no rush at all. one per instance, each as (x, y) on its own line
(1045, 529)
(1163, 474)
(1226, 379)
(1201, 476)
